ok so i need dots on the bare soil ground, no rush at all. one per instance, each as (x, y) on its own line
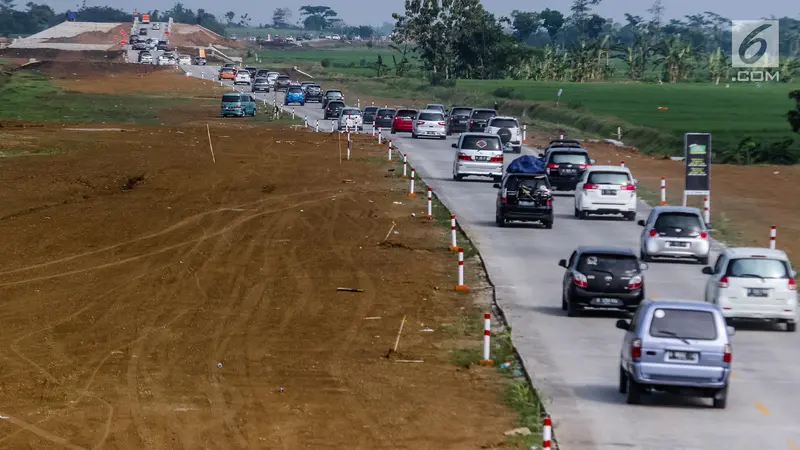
(155, 299)
(51, 54)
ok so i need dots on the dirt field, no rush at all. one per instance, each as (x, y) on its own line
(156, 299)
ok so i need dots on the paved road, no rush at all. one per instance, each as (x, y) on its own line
(133, 55)
(574, 361)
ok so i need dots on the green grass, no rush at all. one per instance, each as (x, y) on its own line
(31, 97)
(348, 61)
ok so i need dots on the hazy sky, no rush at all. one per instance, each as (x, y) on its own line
(370, 12)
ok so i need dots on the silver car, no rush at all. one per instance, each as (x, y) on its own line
(478, 154)
(675, 232)
(352, 119)
(429, 123)
(681, 347)
(435, 106)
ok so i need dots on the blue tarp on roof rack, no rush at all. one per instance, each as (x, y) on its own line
(526, 164)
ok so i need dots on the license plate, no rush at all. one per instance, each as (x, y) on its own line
(524, 203)
(609, 192)
(682, 356)
(481, 158)
(757, 292)
(568, 171)
(606, 302)
(678, 244)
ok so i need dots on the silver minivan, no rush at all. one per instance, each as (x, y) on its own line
(429, 123)
(478, 154)
(680, 347)
(675, 232)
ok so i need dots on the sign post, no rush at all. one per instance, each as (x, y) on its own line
(697, 158)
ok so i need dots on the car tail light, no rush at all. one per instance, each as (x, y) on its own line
(472, 122)
(583, 166)
(653, 233)
(504, 196)
(727, 357)
(590, 186)
(550, 202)
(441, 123)
(464, 157)
(636, 348)
(703, 235)
(497, 158)
(635, 282)
(552, 166)
(420, 122)
(792, 284)
(580, 280)
(237, 107)
(723, 282)
(628, 187)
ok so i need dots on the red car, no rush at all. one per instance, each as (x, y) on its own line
(404, 120)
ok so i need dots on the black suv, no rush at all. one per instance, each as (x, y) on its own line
(252, 70)
(458, 119)
(602, 277)
(282, 83)
(565, 167)
(526, 197)
(384, 118)
(161, 45)
(369, 114)
(332, 95)
(314, 93)
(261, 73)
(478, 119)
(333, 109)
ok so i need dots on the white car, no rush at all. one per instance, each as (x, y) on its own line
(509, 131)
(606, 190)
(146, 58)
(351, 118)
(156, 26)
(429, 123)
(185, 60)
(754, 284)
(163, 60)
(242, 77)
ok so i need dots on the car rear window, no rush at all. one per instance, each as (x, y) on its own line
(335, 105)
(612, 264)
(757, 268)
(371, 109)
(569, 158)
(683, 323)
(434, 106)
(406, 113)
(351, 112)
(386, 112)
(295, 91)
(504, 123)
(514, 183)
(432, 117)
(261, 80)
(685, 221)
(231, 98)
(483, 114)
(461, 112)
(480, 143)
(615, 178)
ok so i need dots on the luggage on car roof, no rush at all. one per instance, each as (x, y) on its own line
(526, 164)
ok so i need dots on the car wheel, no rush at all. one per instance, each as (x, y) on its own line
(442, 137)
(548, 224)
(573, 310)
(457, 177)
(255, 111)
(577, 213)
(500, 221)
(791, 327)
(635, 391)
(703, 261)
(644, 256)
(630, 216)
(563, 300)
(623, 381)
(720, 400)
(518, 150)
(582, 215)
(394, 131)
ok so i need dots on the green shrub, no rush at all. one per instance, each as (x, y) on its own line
(326, 62)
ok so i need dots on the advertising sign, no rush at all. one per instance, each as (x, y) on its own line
(697, 151)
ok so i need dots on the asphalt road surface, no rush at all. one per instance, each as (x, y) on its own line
(574, 361)
(133, 55)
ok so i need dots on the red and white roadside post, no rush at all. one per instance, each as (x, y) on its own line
(349, 142)
(525, 133)
(622, 163)
(707, 210)
(380, 137)
(333, 126)
(430, 203)
(663, 190)
(487, 335)
(773, 236)
(316, 127)
(390, 150)
(453, 245)
(373, 130)
(405, 165)
(547, 433)
(461, 286)
(411, 192)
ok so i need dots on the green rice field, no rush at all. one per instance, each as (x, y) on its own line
(345, 61)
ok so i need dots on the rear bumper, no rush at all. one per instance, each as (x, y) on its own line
(477, 128)
(383, 123)
(543, 215)
(679, 376)
(630, 300)
(597, 207)
(312, 98)
(431, 133)
(402, 129)
(458, 127)
(757, 314)
(697, 249)
(564, 183)
(484, 170)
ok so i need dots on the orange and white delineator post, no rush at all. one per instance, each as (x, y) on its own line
(411, 192)
(453, 245)
(405, 165)
(773, 237)
(487, 335)
(622, 163)
(380, 137)
(461, 286)
(524, 134)
(707, 210)
(663, 190)
(547, 433)
(430, 203)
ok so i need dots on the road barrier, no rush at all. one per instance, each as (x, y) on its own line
(380, 137)
(773, 235)
(663, 190)
(316, 127)
(547, 433)
(333, 126)
(453, 244)
(390, 151)
(430, 203)
(293, 113)
(411, 192)
(349, 142)
(305, 121)
(525, 134)
(707, 210)
(373, 130)
(622, 163)
(405, 165)
(487, 335)
(461, 286)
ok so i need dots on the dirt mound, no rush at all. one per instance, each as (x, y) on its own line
(96, 37)
(51, 54)
(93, 69)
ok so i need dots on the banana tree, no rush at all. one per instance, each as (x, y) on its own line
(675, 56)
(718, 65)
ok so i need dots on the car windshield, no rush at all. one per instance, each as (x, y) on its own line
(337, 105)
(295, 91)
(410, 113)
(513, 183)
(685, 221)
(483, 114)
(228, 98)
(504, 123)
(758, 268)
(431, 117)
(614, 178)
(569, 158)
(683, 324)
(611, 264)
(386, 112)
(333, 94)
(351, 112)
(461, 112)
(480, 143)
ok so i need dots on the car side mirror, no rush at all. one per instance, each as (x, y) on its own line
(497, 185)
(643, 266)
(709, 227)
(708, 271)
(563, 263)
(623, 324)
(454, 145)
(593, 161)
(635, 182)
(731, 330)
(641, 223)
